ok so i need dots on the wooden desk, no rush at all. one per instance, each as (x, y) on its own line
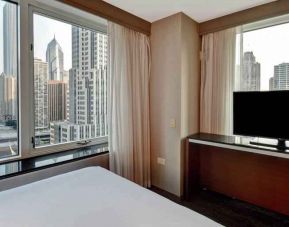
(253, 174)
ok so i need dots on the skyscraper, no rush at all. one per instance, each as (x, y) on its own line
(87, 108)
(72, 94)
(54, 58)
(10, 39)
(251, 70)
(280, 80)
(8, 97)
(271, 84)
(57, 100)
(66, 80)
(41, 94)
(89, 71)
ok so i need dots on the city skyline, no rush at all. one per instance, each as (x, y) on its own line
(254, 40)
(269, 46)
(70, 103)
(87, 114)
(77, 102)
(251, 73)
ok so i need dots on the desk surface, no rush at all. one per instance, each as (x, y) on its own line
(14, 168)
(238, 143)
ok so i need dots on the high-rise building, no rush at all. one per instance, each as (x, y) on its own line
(66, 80)
(72, 95)
(55, 132)
(251, 72)
(10, 39)
(280, 80)
(89, 49)
(54, 58)
(87, 108)
(89, 80)
(41, 94)
(62, 132)
(87, 88)
(66, 76)
(8, 97)
(57, 91)
(271, 84)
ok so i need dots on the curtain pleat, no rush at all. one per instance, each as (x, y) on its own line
(217, 81)
(129, 71)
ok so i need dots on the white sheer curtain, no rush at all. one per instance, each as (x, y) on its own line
(128, 112)
(217, 81)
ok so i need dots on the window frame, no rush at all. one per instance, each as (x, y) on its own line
(13, 157)
(58, 11)
(274, 21)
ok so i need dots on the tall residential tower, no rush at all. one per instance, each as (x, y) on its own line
(41, 94)
(8, 97)
(8, 79)
(87, 89)
(280, 80)
(10, 39)
(251, 72)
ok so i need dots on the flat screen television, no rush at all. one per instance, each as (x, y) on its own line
(262, 114)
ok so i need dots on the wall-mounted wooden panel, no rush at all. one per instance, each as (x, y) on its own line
(112, 13)
(261, 12)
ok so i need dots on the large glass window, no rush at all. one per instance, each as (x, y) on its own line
(262, 62)
(8, 79)
(53, 78)
(70, 82)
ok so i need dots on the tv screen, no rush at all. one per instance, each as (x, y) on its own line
(261, 114)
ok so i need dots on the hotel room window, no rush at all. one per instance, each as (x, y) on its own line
(265, 58)
(70, 101)
(8, 79)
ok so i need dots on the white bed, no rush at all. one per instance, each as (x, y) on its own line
(92, 197)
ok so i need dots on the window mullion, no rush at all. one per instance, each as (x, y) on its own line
(26, 80)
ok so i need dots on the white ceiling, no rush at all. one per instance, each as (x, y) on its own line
(199, 10)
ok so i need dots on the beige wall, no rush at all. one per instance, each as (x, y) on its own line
(174, 94)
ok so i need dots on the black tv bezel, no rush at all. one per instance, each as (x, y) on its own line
(251, 135)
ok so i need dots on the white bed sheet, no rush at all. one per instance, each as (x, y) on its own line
(92, 197)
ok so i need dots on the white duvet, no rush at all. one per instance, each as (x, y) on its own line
(92, 197)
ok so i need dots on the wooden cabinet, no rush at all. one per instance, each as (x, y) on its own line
(258, 178)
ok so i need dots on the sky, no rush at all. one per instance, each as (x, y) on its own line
(44, 31)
